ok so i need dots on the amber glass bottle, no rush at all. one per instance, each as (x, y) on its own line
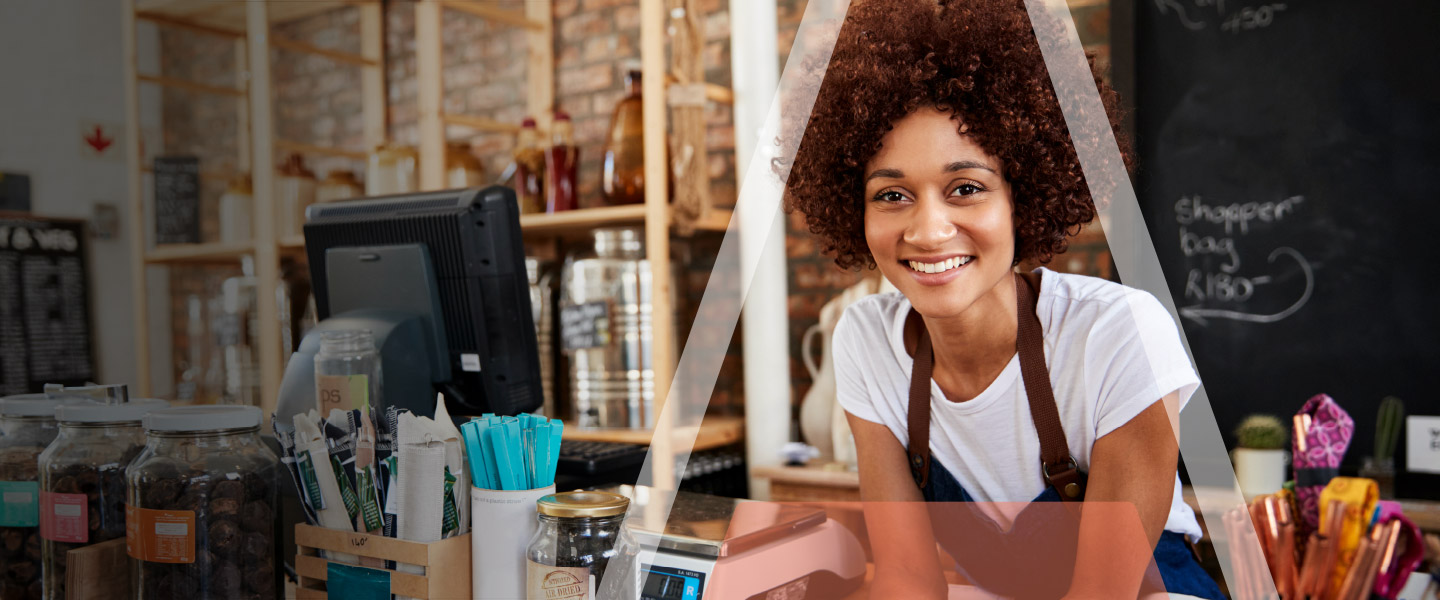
(623, 178)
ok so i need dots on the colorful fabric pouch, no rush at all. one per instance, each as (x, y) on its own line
(1322, 435)
(1410, 552)
(1358, 496)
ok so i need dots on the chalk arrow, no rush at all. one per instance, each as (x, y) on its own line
(1198, 315)
(1179, 11)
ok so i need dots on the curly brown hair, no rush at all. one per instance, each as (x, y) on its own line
(976, 59)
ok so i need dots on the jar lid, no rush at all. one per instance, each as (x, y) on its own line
(99, 412)
(33, 405)
(202, 418)
(581, 505)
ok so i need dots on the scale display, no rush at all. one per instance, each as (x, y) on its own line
(666, 583)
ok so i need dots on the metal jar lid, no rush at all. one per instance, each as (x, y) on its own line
(582, 505)
(97, 412)
(202, 418)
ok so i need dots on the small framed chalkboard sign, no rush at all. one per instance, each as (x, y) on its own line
(177, 200)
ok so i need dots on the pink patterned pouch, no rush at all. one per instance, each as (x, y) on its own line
(1322, 435)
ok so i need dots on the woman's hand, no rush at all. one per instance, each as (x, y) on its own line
(907, 564)
(1132, 470)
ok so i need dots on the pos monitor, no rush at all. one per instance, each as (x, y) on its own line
(439, 279)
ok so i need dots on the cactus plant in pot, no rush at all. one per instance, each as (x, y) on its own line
(1259, 455)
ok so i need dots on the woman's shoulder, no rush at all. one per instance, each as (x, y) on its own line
(1088, 301)
(870, 319)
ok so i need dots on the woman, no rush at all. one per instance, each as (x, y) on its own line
(936, 151)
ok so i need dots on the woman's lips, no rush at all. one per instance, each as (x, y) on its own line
(933, 279)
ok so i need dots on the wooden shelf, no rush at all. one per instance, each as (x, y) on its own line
(586, 219)
(227, 17)
(714, 432)
(198, 253)
(291, 244)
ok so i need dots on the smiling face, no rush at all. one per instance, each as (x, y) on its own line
(938, 215)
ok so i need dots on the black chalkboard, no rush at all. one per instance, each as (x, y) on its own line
(1289, 154)
(177, 200)
(44, 304)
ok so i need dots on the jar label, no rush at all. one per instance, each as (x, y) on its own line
(64, 517)
(544, 582)
(19, 504)
(163, 536)
(585, 325)
(345, 392)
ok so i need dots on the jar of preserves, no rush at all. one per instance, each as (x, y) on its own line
(82, 480)
(200, 517)
(27, 426)
(579, 540)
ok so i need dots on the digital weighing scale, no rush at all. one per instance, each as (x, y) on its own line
(712, 548)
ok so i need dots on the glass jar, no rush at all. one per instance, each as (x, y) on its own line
(294, 192)
(200, 517)
(392, 171)
(579, 540)
(339, 185)
(236, 206)
(27, 426)
(347, 371)
(82, 480)
(462, 169)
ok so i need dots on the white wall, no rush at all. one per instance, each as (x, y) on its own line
(60, 64)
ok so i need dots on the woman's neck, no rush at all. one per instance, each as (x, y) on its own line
(973, 347)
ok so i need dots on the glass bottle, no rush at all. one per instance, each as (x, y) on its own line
(27, 426)
(294, 191)
(462, 169)
(529, 169)
(236, 205)
(201, 506)
(578, 541)
(237, 326)
(339, 184)
(623, 176)
(560, 162)
(82, 480)
(347, 371)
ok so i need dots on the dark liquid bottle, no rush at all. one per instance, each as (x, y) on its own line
(560, 163)
(529, 170)
(623, 179)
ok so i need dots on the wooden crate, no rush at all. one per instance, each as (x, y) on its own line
(446, 562)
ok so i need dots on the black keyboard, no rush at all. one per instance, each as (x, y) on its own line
(598, 458)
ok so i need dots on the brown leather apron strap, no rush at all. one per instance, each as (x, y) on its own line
(1056, 465)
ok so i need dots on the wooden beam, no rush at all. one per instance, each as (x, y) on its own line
(262, 176)
(178, 23)
(480, 123)
(138, 221)
(335, 55)
(540, 75)
(192, 86)
(373, 99)
(657, 238)
(499, 15)
(323, 150)
(430, 92)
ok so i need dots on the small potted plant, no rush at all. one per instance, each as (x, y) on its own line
(1260, 455)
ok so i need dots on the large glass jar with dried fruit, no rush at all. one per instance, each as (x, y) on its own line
(82, 480)
(200, 519)
(27, 426)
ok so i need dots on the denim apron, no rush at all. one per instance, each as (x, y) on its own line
(1035, 558)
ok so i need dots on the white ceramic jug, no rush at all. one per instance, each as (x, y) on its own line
(816, 409)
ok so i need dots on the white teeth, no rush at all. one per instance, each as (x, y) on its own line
(942, 266)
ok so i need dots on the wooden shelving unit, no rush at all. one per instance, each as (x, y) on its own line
(713, 432)
(249, 25)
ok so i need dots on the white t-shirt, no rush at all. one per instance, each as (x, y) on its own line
(1112, 352)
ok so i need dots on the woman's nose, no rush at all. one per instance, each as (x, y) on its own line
(930, 225)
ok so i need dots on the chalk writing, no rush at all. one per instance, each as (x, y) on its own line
(1194, 15)
(1228, 284)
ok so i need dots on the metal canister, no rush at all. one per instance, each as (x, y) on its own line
(540, 307)
(605, 326)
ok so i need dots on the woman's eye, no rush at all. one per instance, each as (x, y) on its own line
(966, 189)
(890, 196)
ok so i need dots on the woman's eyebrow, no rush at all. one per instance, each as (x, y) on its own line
(967, 164)
(887, 173)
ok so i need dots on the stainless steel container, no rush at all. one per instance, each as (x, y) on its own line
(540, 306)
(605, 315)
